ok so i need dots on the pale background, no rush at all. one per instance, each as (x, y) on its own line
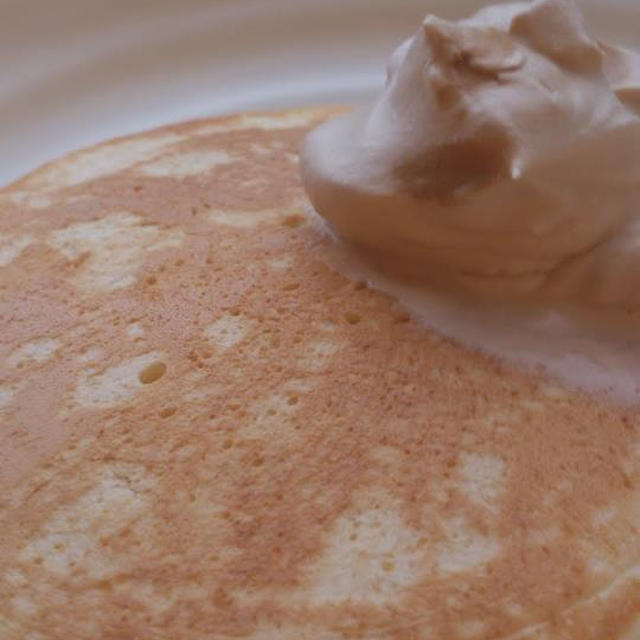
(74, 72)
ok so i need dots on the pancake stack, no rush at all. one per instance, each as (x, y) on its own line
(209, 432)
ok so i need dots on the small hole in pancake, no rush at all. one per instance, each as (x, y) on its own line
(387, 566)
(227, 444)
(137, 188)
(258, 462)
(352, 318)
(167, 412)
(293, 221)
(401, 317)
(292, 400)
(152, 372)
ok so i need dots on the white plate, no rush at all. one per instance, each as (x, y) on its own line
(78, 71)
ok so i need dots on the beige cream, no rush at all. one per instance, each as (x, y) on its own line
(502, 157)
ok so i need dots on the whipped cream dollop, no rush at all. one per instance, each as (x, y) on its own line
(502, 157)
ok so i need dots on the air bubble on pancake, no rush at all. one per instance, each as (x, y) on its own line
(12, 246)
(483, 478)
(227, 331)
(181, 165)
(463, 549)
(35, 351)
(98, 162)
(90, 354)
(115, 385)
(317, 354)
(371, 556)
(68, 542)
(135, 330)
(110, 250)
(152, 372)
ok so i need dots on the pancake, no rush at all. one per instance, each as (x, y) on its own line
(210, 432)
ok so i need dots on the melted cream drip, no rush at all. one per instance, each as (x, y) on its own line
(597, 351)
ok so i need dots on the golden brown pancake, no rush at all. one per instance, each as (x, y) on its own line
(210, 433)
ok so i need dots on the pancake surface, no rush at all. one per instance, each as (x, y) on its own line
(208, 432)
